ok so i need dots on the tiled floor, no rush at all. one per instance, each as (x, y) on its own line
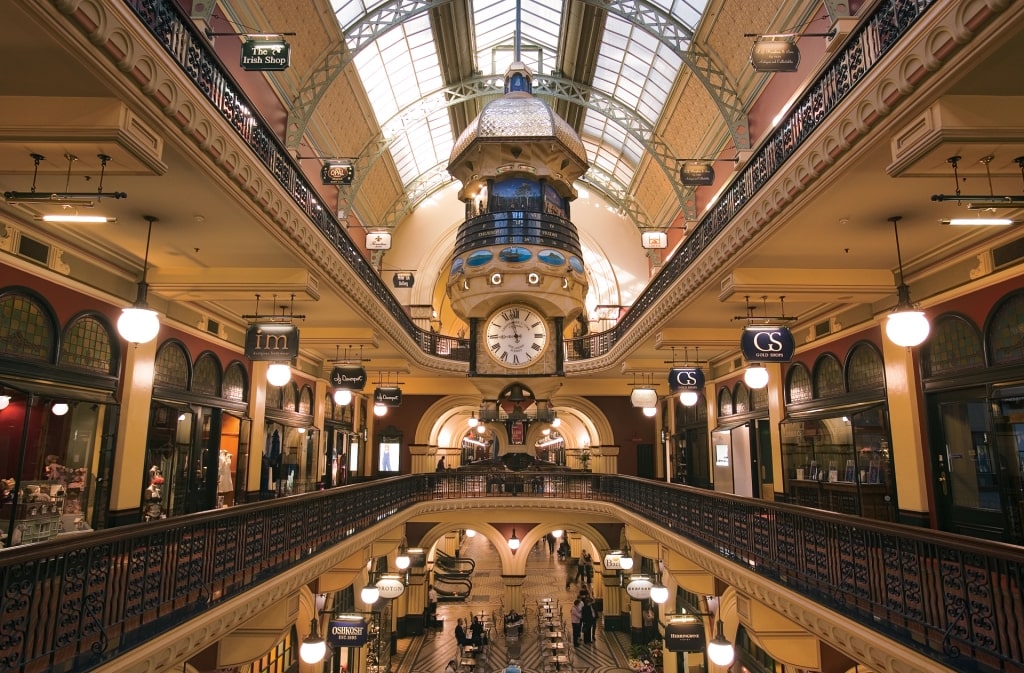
(546, 578)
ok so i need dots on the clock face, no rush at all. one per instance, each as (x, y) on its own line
(516, 336)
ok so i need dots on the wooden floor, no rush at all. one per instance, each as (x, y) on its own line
(546, 578)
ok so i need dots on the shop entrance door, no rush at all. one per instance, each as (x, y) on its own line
(968, 470)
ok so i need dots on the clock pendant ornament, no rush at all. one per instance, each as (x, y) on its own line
(516, 336)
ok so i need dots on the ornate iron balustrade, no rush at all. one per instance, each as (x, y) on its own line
(76, 602)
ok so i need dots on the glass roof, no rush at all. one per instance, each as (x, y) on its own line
(401, 73)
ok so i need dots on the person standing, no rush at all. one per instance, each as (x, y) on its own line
(461, 637)
(432, 605)
(551, 543)
(576, 617)
(476, 632)
(588, 621)
(440, 464)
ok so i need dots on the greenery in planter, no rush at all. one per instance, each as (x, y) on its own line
(646, 657)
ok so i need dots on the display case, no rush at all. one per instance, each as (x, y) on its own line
(841, 463)
(38, 511)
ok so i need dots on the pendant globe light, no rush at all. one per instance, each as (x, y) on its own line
(138, 323)
(906, 326)
(279, 373)
(756, 376)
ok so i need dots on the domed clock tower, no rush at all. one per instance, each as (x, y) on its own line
(517, 274)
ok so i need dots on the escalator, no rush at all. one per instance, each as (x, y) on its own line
(453, 565)
(452, 587)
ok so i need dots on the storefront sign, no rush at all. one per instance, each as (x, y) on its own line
(337, 173)
(403, 279)
(653, 240)
(264, 54)
(346, 632)
(685, 634)
(388, 396)
(763, 343)
(378, 240)
(390, 586)
(769, 55)
(685, 378)
(272, 342)
(639, 587)
(348, 378)
(697, 174)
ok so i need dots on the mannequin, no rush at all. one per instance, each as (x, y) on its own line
(225, 485)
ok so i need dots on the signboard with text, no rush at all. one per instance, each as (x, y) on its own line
(685, 378)
(766, 343)
(265, 55)
(272, 342)
(769, 55)
(346, 632)
(685, 634)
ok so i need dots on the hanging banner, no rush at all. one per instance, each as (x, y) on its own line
(337, 172)
(685, 634)
(403, 279)
(272, 342)
(763, 343)
(685, 378)
(346, 631)
(348, 378)
(378, 240)
(260, 55)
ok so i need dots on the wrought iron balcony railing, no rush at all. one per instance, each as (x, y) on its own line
(78, 601)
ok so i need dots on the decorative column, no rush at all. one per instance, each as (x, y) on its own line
(906, 414)
(614, 620)
(513, 593)
(132, 432)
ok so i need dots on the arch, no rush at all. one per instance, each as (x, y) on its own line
(828, 376)
(725, 407)
(206, 374)
(865, 368)
(30, 330)
(305, 401)
(741, 402)
(89, 343)
(1003, 337)
(172, 365)
(235, 383)
(798, 384)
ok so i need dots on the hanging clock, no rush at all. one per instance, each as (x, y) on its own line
(516, 336)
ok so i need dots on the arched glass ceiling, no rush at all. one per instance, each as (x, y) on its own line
(402, 66)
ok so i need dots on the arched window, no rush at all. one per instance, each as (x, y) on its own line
(171, 366)
(206, 375)
(235, 385)
(954, 346)
(88, 344)
(741, 398)
(725, 402)
(27, 328)
(828, 377)
(1005, 332)
(306, 400)
(798, 388)
(864, 369)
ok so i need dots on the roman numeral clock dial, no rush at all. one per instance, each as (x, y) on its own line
(516, 336)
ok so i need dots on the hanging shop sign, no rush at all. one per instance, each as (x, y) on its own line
(768, 55)
(346, 631)
(639, 587)
(337, 172)
(653, 240)
(265, 55)
(685, 378)
(764, 343)
(389, 396)
(403, 279)
(685, 634)
(390, 586)
(378, 240)
(348, 378)
(272, 342)
(697, 174)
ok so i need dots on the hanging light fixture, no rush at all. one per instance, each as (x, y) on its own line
(472, 420)
(755, 376)
(688, 398)
(659, 592)
(138, 323)
(59, 408)
(513, 542)
(5, 401)
(379, 409)
(402, 560)
(470, 532)
(720, 650)
(279, 373)
(313, 648)
(906, 326)
(342, 396)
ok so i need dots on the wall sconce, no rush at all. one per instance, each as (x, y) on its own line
(513, 542)
(906, 326)
(313, 648)
(755, 376)
(278, 374)
(138, 323)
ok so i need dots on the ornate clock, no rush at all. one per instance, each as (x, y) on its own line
(516, 336)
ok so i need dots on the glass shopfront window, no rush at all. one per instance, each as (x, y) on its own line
(50, 450)
(841, 462)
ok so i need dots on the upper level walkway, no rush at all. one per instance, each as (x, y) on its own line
(895, 598)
